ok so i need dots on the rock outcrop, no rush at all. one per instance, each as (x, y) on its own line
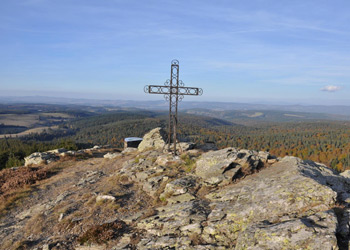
(153, 139)
(225, 199)
(247, 203)
(112, 155)
(226, 165)
(40, 158)
(47, 157)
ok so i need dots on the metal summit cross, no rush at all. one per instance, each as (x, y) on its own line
(173, 91)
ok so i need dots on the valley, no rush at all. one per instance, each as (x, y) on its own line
(319, 137)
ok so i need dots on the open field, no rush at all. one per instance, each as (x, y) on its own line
(57, 115)
(27, 132)
(25, 120)
(18, 120)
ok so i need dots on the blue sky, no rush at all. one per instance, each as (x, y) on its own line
(237, 51)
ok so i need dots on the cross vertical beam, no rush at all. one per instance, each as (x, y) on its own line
(173, 99)
(173, 91)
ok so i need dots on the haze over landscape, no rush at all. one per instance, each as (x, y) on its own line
(276, 52)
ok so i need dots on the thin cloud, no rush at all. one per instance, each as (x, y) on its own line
(331, 88)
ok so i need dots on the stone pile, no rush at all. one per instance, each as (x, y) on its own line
(251, 200)
(225, 199)
(55, 154)
(40, 158)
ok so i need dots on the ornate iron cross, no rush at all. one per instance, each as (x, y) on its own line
(173, 91)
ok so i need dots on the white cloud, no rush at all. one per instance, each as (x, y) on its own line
(331, 88)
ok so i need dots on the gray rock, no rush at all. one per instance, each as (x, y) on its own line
(180, 187)
(346, 174)
(264, 155)
(277, 194)
(90, 247)
(105, 197)
(292, 204)
(313, 232)
(172, 217)
(62, 196)
(183, 146)
(272, 161)
(152, 184)
(46, 247)
(90, 177)
(164, 159)
(61, 217)
(180, 198)
(57, 151)
(40, 158)
(129, 150)
(68, 153)
(291, 159)
(112, 155)
(165, 242)
(153, 139)
(224, 166)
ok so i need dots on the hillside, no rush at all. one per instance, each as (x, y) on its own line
(318, 140)
(338, 110)
(222, 199)
(258, 116)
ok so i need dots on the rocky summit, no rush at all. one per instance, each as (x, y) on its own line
(147, 199)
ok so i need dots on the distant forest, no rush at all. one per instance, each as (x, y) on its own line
(322, 141)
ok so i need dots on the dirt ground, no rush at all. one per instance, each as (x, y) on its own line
(63, 206)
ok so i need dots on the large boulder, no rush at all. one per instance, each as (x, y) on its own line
(226, 165)
(312, 232)
(290, 196)
(289, 205)
(40, 158)
(154, 139)
(112, 155)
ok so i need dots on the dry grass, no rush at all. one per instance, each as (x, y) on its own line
(80, 209)
(190, 162)
(25, 120)
(13, 179)
(102, 233)
(107, 207)
(157, 201)
(196, 239)
(17, 184)
(13, 198)
(36, 224)
(203, 191)
(21, 245)
(115, 185)
(149, 212)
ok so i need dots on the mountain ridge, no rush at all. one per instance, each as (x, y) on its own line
(162, 105)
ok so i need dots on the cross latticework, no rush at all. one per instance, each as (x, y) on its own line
(173, 91)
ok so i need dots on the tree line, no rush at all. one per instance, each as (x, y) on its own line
(326, 142)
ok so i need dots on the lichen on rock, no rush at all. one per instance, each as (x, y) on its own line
(154, 139)
(231, 199)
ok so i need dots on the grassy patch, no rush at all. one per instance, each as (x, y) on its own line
(189, 162)
(102, 233)
(17, 184)
(13, 199)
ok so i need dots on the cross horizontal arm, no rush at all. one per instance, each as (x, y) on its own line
(164, 90)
